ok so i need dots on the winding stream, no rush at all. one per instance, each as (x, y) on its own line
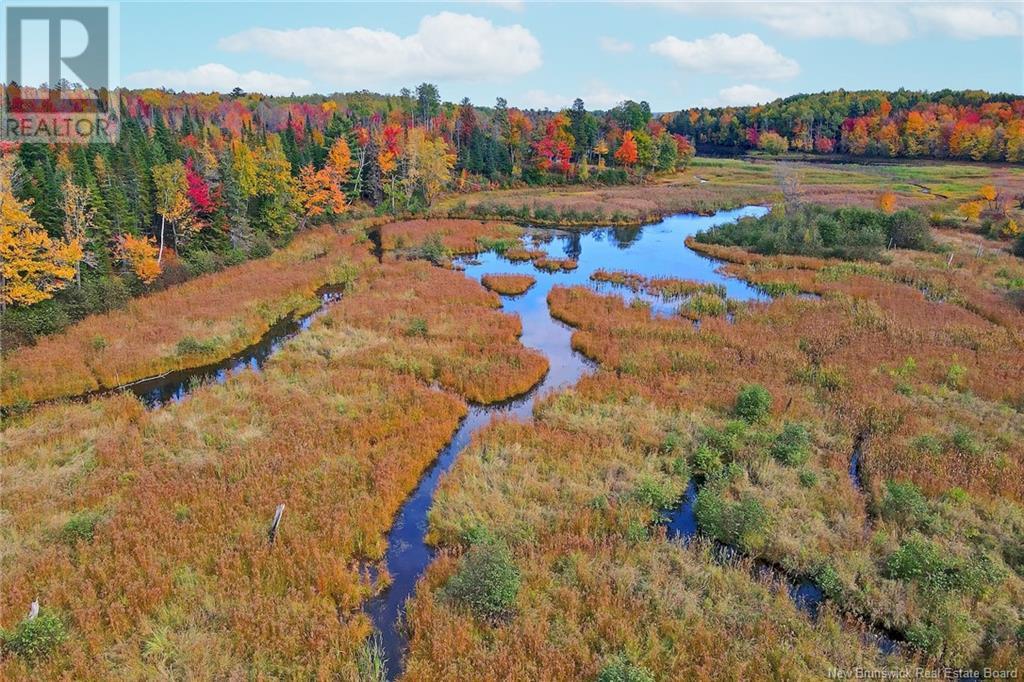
(175, 385)
(655, 250)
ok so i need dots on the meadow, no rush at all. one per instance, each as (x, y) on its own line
(200, 321)
(911, 363)
(144, 533)
(710, 185)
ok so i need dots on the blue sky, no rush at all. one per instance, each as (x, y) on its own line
(672, 54)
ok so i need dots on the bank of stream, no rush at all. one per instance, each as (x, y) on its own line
(655, 250)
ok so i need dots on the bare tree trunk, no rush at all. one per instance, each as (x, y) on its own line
(160, 255)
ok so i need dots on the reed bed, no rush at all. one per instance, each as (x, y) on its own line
(458, 237)
(146, 531)
(191, 324)
(508, 284)
(930, 386)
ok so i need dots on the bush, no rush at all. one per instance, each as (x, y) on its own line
(811, 230)
(703, 304)
(904, 503)
(829, 582)
(920, 561)
(80, 527)
(655, 495)
(728, 440)
(36, 638)
(753, 403)
(487, 583)
(808, 478)
(741, 524)
(619, 669)
(707, 461)
(190, 346)
(792, 446)
(417, 327)
(909, 230)
(434, 250)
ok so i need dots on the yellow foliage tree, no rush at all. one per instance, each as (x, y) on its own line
(140, 254)
(988, 192)
(319, 192)
(171, 197)
(970, 210)
(32, 266)
(78, 218)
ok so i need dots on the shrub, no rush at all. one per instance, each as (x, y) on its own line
(829, 582)
(655, 495)
(434, 250)
(753, 403)
(909, 230)
(904, 503)
(811, 230)
(190, 346)
(793, 445)
(808, 478)
(964, 442)
(741, 524)
(80, 527)
(728, 439)
(925, 637)
(487, 582)
(417, 327)
(920, 561)
(619, 669)
(703, 304)
(955, 377)
(707, 461)
(36, 638)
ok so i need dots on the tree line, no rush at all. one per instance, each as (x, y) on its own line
(965, 124)
(197, 182)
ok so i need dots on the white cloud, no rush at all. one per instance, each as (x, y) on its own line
(445, 46)
(744, 95)
(872, 22)
(614, 45)
(742, 55)
(218, 78)
(596, 95)
(968, 22)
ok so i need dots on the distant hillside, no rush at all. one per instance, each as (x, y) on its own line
(961, 124)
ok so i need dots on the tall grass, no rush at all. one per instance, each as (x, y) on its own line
(200, 321)
(147, 530)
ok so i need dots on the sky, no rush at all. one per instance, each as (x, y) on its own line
(545, 54)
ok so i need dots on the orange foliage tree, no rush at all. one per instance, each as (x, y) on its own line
(141, 255)
(887, 202)
(626, 154)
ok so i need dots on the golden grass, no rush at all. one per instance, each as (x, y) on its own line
(222, 312)
(508, 285)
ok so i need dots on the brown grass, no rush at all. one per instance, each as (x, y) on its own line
(508, 285)
(458, 236)
(223, 312)
(178, 579)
